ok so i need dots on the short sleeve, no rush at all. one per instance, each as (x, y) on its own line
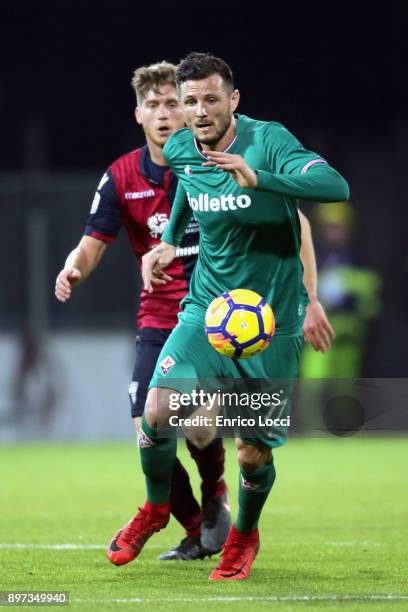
(104, 221)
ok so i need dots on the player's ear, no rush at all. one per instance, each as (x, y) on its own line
(138, 115)
(235, 100)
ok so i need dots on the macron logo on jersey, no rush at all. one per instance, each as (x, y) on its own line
(206, 203)
(138, 195)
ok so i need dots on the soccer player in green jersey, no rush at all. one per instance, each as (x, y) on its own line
(242, 179)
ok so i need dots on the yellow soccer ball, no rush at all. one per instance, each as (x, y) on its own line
(239, 324)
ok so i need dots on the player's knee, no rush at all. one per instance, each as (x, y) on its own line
(201, 439)
(251, 457)
(150, 411)
(157, 410)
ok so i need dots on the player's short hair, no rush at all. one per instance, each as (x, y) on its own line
(153, 77)
(197, 66)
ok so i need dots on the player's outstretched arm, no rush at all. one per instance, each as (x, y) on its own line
(153, 263)
(319, 181)
(79, 265)
(316, 327)
(235, 165)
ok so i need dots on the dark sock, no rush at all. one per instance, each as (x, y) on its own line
(183, 504)
(210, 463)
(253, 491)
(157, 457)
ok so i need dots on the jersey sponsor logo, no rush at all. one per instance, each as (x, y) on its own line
(186, 251)
(207, 203)
(245, 484)
(166, 364)
(192, 227)
(144, 441)
(139, 195)
(157, 224)
(188, 170)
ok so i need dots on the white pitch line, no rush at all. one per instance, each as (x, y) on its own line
(354, 543)
(54, 546)
(233, 599)
(71, 546)
(66, 546)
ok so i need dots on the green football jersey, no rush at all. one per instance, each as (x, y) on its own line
(249, 238)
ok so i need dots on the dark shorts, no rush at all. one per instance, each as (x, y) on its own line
(149, 343)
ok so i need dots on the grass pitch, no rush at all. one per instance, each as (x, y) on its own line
(334, 532)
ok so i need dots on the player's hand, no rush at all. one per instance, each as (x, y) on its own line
(235, 165)
(66, 279)
(316, 327)
(153, 263)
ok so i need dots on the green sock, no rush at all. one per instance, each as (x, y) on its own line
(157, 456)
(253, 490)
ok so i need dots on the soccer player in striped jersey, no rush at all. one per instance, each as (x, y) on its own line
(137, 192)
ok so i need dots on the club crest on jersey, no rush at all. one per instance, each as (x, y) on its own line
(157, 224)
(144, 441)
(166, 364)
(248, 485)
(188, 170)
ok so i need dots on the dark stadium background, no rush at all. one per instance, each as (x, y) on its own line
(331, 72)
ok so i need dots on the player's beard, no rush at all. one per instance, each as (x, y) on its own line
(212, 141)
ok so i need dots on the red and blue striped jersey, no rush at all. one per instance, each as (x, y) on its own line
(138, 194)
